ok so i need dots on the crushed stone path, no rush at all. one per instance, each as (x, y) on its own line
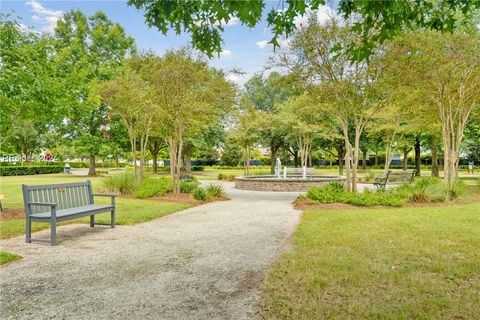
(206, 262)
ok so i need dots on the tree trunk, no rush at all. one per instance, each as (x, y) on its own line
(376, 158)
(348, 157)
(310, 160)
(295, 159)
(364, 159)
(417, 157)
(154, 162)
(434, 147)
(188, 159)
(273, 160)
(91, 168)
(405, 158)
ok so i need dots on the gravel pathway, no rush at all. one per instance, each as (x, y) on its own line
(206, 262)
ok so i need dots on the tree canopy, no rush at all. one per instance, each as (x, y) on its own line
(377, 21)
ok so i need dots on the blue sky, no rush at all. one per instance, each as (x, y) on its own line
(244, 48)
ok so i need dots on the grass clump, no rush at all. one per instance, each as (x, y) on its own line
(214, 191)
(423, 190)
(188, 186)
(7, 257)
(200, 194)
(123, 183)
(154, 186)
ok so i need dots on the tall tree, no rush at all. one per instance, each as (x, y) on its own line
(129, 96)
(30, 89)
(444, 70)
(346, 91)
(90, 50)
(189, 97)
(266, 93)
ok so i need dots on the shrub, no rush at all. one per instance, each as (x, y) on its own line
(335, 192)
(26, 170)
(199, 194)
(154, 186)
(198, 168)
(187, 186)
(123, 183)
(221, 176)
(214, 190)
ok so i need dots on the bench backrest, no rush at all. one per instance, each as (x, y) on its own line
(66, 195)
(400, 176)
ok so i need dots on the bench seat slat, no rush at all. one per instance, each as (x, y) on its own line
(68, 213)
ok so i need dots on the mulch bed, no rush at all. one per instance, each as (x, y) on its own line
(12, 214)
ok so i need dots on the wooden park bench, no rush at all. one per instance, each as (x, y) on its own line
(59, 202)
(394, 177)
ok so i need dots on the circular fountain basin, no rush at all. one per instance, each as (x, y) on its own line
(273, 183)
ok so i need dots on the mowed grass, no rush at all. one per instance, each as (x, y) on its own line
(7, 257)
(128, 211)
(409, 263)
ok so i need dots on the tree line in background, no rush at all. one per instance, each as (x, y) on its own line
(85, 92)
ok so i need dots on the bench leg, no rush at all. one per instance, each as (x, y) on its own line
(112, 219)
(28, 231)
(92, 221)
(53, 232)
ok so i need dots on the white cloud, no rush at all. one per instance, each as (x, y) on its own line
(46, 17)
(324, 13)
(261, 44)
(233, 21)
(284, 43)
(225, 53)
(234, 77)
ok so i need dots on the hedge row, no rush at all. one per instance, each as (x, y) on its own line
(21, 171)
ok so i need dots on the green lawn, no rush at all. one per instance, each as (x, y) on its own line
(129, 211)
(6, 257)
(409, 263)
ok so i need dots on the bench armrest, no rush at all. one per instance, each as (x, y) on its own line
(104, 195)
(49, 204)
(53, 208)
(112, 196)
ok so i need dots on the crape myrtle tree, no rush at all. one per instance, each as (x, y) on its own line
(378, 20)
(89, 50)
(188, 97)
(444, 71)
(130, 97)
(346, 91)
(246, 132)
(303, 123)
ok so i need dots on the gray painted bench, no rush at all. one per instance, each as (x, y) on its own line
(394, 177)
(60, 202)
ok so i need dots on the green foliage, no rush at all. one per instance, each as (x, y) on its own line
(154, 186)
(214, 190)
(423, 190)
(381, 20)
(188, 186)
(6, 257)
(123, 183)
(226, 177)
(200, 194)
(198, 168)
(21, 170)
